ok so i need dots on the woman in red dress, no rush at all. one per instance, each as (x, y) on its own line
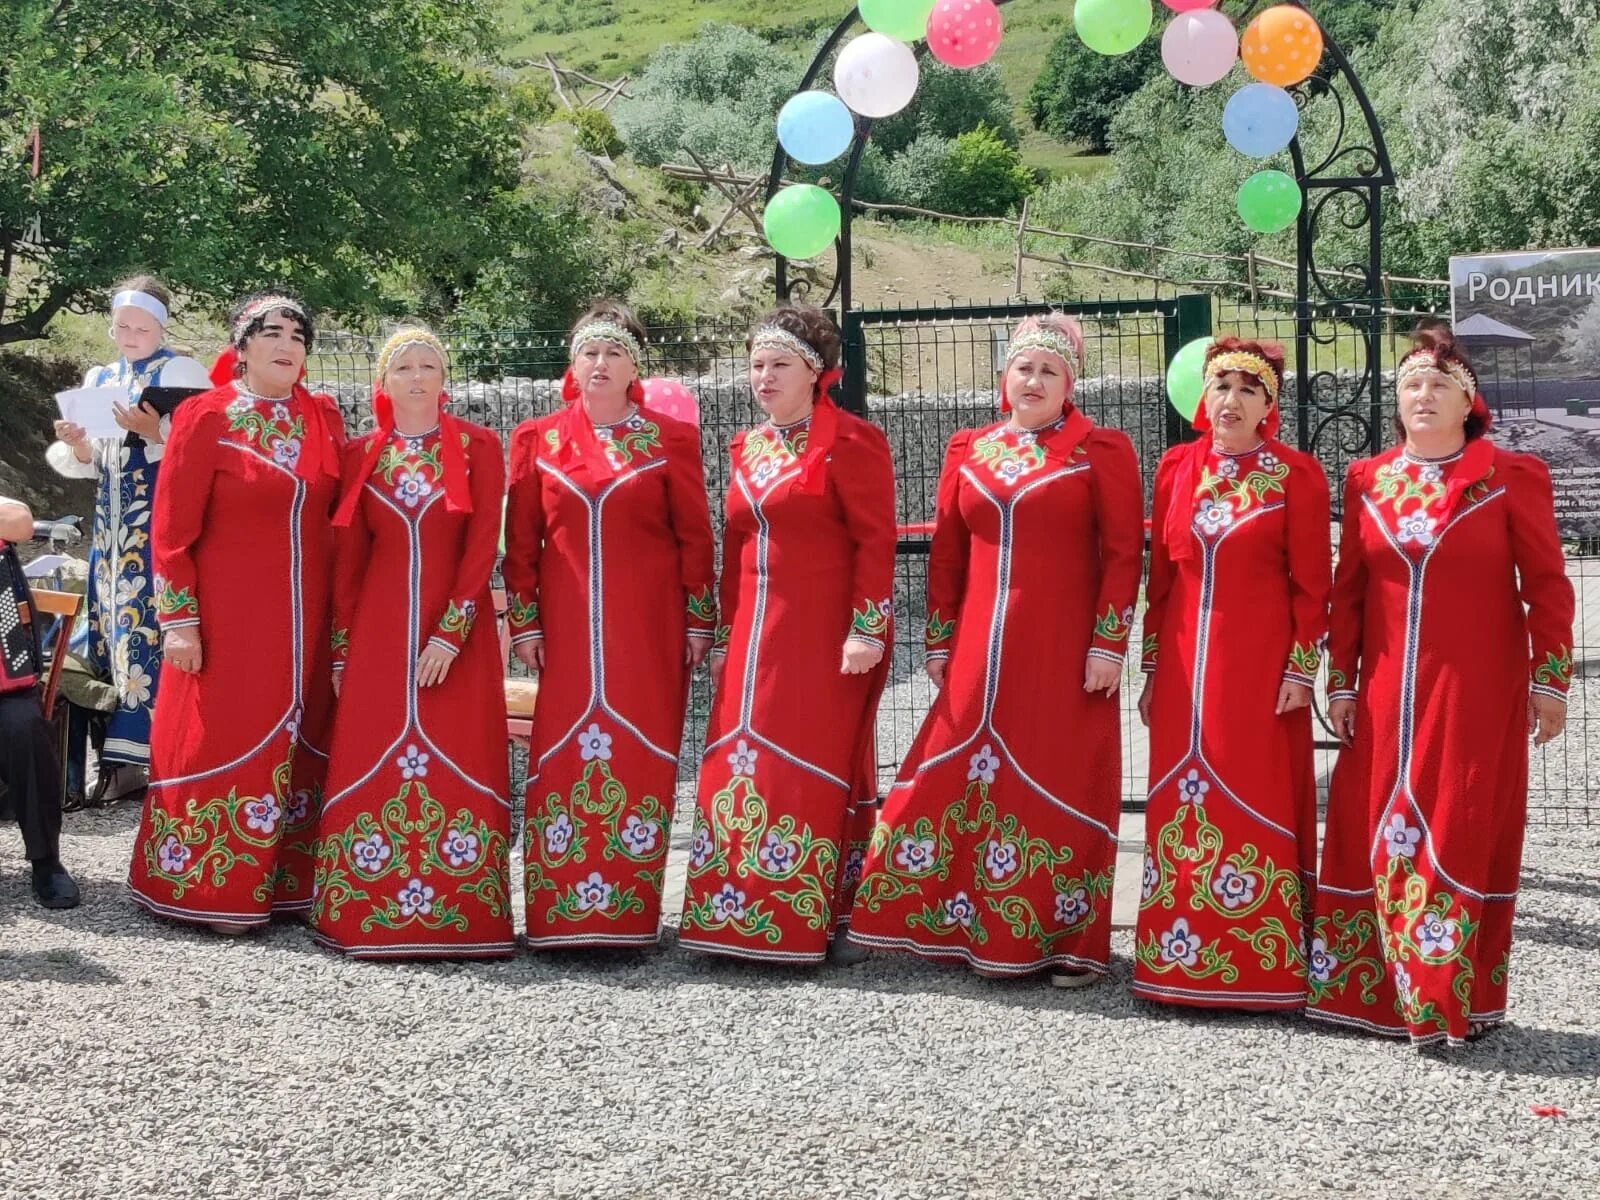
(243, 555)
(1450, 644)
(414, 838)
(609, 570)
(789, 778)
(1240, 568)
(998, 841)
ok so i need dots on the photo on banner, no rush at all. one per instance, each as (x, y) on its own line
(1531, 322)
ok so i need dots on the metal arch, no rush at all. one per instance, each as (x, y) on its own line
(1345, 179)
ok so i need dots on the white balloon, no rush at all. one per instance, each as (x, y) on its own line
(876, 75)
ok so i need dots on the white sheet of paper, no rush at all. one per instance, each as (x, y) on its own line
(91, 408)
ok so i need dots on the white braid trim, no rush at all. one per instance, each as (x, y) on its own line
(1058, 344)
(263, 306)
(772, 337)
(607, 331)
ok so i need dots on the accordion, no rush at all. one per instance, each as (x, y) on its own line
(19, 647)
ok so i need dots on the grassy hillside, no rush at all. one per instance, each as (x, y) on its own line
(607, 38)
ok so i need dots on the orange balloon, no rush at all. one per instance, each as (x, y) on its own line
(1282, 46)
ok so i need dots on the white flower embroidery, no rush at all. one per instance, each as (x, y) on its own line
(777, 855)
(1437, 935)
(1268, 461)
(129, 589)
(1430, 473)
(1179, 945)
(853, 866)
(263, 814)
(1228, 468)
(298, 806)
(1013, 469)
(280, 413)
(558, 836)
(1001, 859)
(1073, 906)
(915, 855)
(765, 471)
(413, 763)
(594, 893)
(286, 452)
(701, 849)
(1323, 964)
(958, 910)
(416, 897)
(370, 854)
(1192, 788)
(640, 837)
(460, 847)
(1418, 528)
(1403, 987)
(412, 488)
(1213, 517)
(983, 765)
(743, 759)
(594, 744)
(174, 855)
(1152, 878)
(728, 904)
(1402, 839)
(136, 686)
(1233, 887)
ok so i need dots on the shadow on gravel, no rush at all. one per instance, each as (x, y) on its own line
(1528, 1052)
(1558, 931)
(54, 966)
(1569, 885)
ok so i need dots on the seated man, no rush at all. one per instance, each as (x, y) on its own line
(28, 764)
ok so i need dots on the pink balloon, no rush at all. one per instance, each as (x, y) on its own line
(964, 33)
(671, 399)
(1200, 47)
(1188, 5)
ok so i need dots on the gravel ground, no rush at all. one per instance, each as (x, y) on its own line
(142, 1060)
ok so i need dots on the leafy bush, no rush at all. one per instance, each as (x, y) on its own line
(972, 174)
(595, 131)
(950, 102)
(1078, 92)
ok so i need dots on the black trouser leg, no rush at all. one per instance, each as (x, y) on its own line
(31, 772)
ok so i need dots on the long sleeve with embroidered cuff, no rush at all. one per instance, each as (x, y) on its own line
(352, 545)
(1310, 568)
(524, 524)
(1542, 574)
(1349, 593)
(1158, 586)
(486, 484)
(690, 516)
(949, 554)
(180, 514)
(1119, 513)
(862, 473)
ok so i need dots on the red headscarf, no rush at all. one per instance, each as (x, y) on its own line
(579, 442)
(453, 460)
(318, 455)
(821, 436)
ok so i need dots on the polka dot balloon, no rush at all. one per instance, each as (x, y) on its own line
(964, 33)
(1282, 46)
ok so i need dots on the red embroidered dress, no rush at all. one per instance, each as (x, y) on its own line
(789, 779)
(1450, 575)
(1231, 825)
(243, 551)
(611, 564)
(414, 839)
(997, 843)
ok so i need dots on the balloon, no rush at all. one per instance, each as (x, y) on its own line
(876, 75)
(1269, 201)
(671, 399)
(1282, 46)
(964, 33)
(1113, 26)
(906, 20)
(1199, 48)
(1188, 5)
(815, 127)
(1186, 377)
(801, 221)
(1260, 120)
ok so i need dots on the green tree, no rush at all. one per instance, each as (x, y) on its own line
(339, 146)
(1078, 92)
(986, 176)
(950, 102)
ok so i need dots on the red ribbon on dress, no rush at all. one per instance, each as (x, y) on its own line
(579, 442)
(821, 436)
(1180, 545)
(453, 460)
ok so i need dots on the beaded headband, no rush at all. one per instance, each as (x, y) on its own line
(1055, 342)
(606, 331)
(773, 337)
(1420, 362)
(402, 338)
(141, 300)
(1251, 364)
(260, 308)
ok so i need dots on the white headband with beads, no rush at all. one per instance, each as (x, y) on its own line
(607, 331)
(263, 306)
(1422, 362)
(774, 337)
(1055, 342)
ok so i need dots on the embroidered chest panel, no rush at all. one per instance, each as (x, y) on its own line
(1013, 456)
(769, 451)
(1408, 496)
(1233, 485)
(134, 376)
(274, 429)
(627, 443)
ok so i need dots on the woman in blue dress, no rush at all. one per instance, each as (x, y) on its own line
(120, 636)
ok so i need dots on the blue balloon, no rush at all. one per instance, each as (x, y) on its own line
(815, 127)
(1260, 120)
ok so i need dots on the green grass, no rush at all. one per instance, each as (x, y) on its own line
(608, 38)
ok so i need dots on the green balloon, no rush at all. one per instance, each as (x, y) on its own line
(801, 221)
(1269, 201)
(1113, 26)
(1186, 377)
(906, 20)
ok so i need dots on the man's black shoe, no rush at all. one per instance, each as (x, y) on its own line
(53, 887)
